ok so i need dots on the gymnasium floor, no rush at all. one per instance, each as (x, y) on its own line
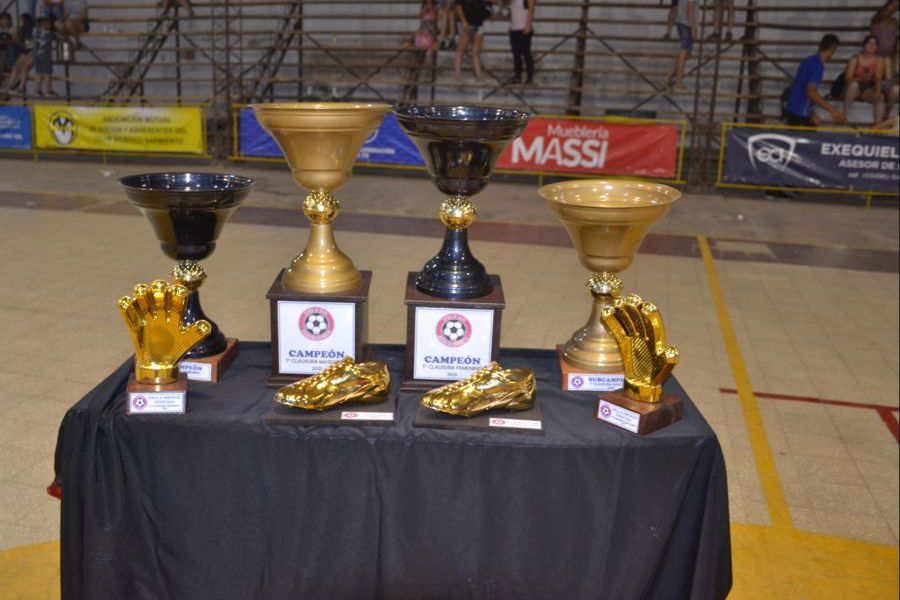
(785, 315)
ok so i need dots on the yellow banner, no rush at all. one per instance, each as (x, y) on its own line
(120, 129)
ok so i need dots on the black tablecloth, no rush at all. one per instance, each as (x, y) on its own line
(215, 504)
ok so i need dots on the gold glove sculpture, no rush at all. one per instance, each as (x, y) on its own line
(153, 317)
(486, 389)
(638, 329)
(340, 382)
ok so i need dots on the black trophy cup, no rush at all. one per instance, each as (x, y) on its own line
(187, 211)
(460, 145)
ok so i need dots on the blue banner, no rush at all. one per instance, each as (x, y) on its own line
(830, 160)
(15, 127)
(387, 145)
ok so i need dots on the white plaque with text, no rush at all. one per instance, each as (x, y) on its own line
(312, 335)
(595, 382)
(451, 344)
(147, 403)
(196, 371)
(618, 416)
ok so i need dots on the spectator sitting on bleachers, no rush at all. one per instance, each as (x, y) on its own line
(7, 49)
(75, 22)
(804, 91)
(862, 79)
(891, 77)
(24, 43)
(884, 28)
(447, 21)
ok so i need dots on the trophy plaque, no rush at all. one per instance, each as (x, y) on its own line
(607, 221)
(154, 317)
(447, 340)
(454, 305)
(187, 212)
(319, 302)
(641, 406)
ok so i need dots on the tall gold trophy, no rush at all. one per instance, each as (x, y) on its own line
(319, 302)
(607, 221)
(320, 141)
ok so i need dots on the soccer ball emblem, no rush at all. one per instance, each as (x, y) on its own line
(316, 323)
(454, 330)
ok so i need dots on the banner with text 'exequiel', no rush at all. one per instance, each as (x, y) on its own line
(120, 129)
(810, 159)
(595, 147)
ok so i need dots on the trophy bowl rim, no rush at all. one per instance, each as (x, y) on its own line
(135, 191)
(316, 108)
(451, 113)
(663, 195)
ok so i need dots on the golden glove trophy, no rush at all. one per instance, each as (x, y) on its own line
(319, 303)
(642, 407)
(607, 221)
(154, 319)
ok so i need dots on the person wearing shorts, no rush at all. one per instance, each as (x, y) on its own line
(718, 12)
(43, 57)
(862, 79)
(472, 15)
(685, 21)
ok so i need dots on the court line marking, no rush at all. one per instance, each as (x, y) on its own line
(759, 442)
(885, 412)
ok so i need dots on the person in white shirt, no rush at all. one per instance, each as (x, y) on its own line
(521, 22)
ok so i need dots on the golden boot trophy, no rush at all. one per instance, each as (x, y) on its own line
(489, 388)
(154, 319)
(642, 406)
(342, 382)
(607, 221)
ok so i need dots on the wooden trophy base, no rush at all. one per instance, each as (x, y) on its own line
(312, 330)
(616, 408)
(451, 337)
(149, 398)
(579, 380)
(210, 368)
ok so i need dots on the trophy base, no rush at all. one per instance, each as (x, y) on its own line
(449, 339)
(312, 330)
(351, 413)
(642, 418)
(454, 272)
(500, 420)
(580, 380)
(210, 368)
(151, 398)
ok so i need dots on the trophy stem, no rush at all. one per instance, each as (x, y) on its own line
(321, 267)
(592, 348)
(454, 272)
(191, 275)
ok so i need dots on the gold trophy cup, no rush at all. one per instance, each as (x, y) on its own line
(320, 141)
(607, 221)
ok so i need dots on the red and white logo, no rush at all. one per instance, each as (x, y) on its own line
(138, 403)
(316, 323)
(453, 330)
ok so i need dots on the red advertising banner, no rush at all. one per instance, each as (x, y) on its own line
(595, 147)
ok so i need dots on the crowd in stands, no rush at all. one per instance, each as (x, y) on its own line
(46, 27)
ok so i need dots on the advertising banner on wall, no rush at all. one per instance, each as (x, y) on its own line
(120, 129)
(15, 127)
(827, 160)
(595, 148)
(387, 145)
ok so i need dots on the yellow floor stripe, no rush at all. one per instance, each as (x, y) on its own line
(30, 572)
(762, 453)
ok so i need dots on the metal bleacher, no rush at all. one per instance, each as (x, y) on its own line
(594, 57)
